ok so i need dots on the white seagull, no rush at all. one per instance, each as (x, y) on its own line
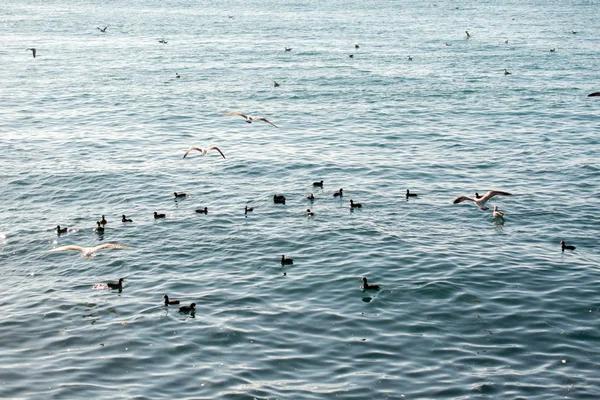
(88, 252)
(250, 118)
(480, 202)
(203, 152)
(498, 213)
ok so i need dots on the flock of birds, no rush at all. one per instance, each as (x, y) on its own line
(88, 252)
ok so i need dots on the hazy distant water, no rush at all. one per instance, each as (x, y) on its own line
(469, 309)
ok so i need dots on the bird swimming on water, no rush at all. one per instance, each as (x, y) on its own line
(410, 58)
(355, 205)
(99, 228)
(203, 152)
(310, 196)
(318, 184)
(367, 286)
(118, 285)
(33, 50)
(480, 202)
(409, 194)
(498, 213)
(309, 213)
(60, 230)
(187, 309)
(157, 215)
(169, 302)
(103, 220)
(202, 210)
(250, 118)
(565, 247)
(356, 46)
(125, 219)
(275, 84)
(595, 94)
(288, 49)
(286, 261)
(88, 252)
(468, 34)
(339, 193)
(248, 209)
(278, 199)
(177, 75)
(179, 194)
(506, 72)
(350, 55)
(163, 41)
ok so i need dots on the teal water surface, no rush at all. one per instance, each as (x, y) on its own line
(470, 307)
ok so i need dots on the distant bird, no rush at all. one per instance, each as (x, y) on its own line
(248, 209)
(310, 196)
(179, 194)
(33, 50)
(498, 213)
(118, 285)
(103, 220)
(202, 210)
(177, 75)
(286, 261)
(157, 215)
(102, 30)
(565, 247)
(275, 84)
(552, 50)
(356, 46)
(595, 94)
(250, 118)
(318, 184)
(468, 34)
(573, 32)
(203, 152)
(125, 219)
(277, 199)
(230, 16)
(506, 41)
(88, 252)
(481, 202)
(339, 193)
(187, 309)
(410, 58)
(99, 228)
(288, 49)
(367, 286)
(60, 230)
(169, 302)
(448, 44)
(506, 72)
(355, 205)
(350, 55)
(309, 213)
(409, 194)
(163, 41)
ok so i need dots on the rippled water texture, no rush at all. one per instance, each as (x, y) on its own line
(469, 307)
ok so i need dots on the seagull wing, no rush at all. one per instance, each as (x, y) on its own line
(69, 247)
(491, 194)
(34, 51)
(264, 119)
(108, 246)
(237, 113)
(463, 198)
(217, 149)
(190, 149)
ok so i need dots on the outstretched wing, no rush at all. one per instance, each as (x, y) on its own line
(109, 246)
(237, 113)
(217, 149)
(462, 198)
(69, 247)
(191, 149)
(266, 120)
(493, 193)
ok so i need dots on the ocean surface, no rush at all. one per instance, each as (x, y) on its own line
(470, 307)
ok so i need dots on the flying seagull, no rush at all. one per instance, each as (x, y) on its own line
(88, 252)
(203, 152)
(250, 118)
(480, 202)
(33, 50)
(102, 30)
